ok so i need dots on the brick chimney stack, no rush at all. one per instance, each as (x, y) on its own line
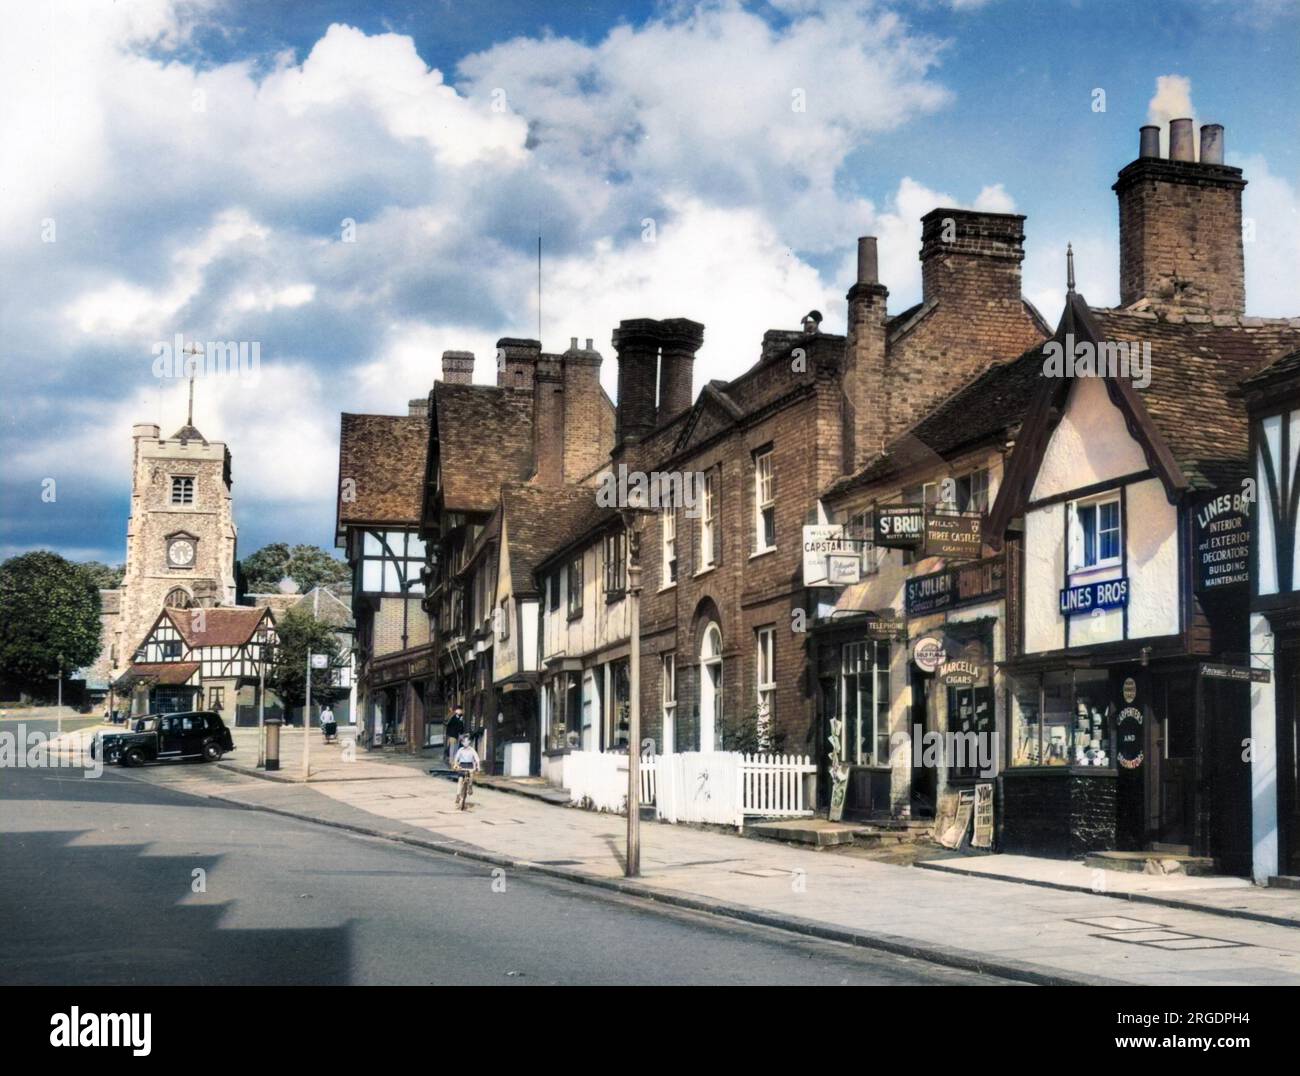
(969, 258)
(636, 342)
(586, 444)
(516, 362)
(548, 420)
(680, 339)
(865, 403)
(1180, 246)
(457, 367)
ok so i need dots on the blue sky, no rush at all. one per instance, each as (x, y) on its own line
(194, 164)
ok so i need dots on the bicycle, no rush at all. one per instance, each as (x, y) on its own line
(464, 788)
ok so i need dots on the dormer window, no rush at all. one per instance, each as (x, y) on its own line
(182, 490)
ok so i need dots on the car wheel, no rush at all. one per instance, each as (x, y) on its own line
(133, 757)
(212, 751)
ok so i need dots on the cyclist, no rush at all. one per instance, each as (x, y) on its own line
(465, 762)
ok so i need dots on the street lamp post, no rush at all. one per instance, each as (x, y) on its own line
(60, 711)
(633, 866)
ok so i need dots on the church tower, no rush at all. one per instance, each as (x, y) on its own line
(180, 538)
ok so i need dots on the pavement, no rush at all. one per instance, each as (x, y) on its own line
(1034, 921)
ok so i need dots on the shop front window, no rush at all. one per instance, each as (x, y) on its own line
(1062, 718)
(864, 703)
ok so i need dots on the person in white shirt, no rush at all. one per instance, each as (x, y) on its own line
(465, 762)
(327, 723)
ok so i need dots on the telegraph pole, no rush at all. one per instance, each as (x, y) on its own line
(634, 710)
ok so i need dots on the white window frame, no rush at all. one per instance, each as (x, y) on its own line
(764, 501)
(669, 539)
(1077, 551)
(879, 671)
(708, 527)
(668, 700)
(765, 679)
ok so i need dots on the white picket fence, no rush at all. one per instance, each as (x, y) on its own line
(721, 787)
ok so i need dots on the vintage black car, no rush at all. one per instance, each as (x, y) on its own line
(156, 737)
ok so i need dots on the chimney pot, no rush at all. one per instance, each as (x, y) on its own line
(1182, 140)
(868, 266)
(1149, 141)
(1212, 143)
(573, 343)
(589, 343)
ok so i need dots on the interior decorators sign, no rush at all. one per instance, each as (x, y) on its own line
(1221, 537)
(953, 587)
(953, 534)
(1094, 597)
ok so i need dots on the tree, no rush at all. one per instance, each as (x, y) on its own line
(49, 610)
(101, 575)
(299, 634)
(307, 565)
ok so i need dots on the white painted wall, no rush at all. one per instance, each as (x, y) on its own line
(1263, 754)
(1152, 538)
(1090, 444)
(1044, 570)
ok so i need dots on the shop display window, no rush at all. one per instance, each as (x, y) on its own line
(1062, 718)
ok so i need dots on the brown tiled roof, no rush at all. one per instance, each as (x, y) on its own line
(1280, 369)
(485, 439)
(223, 626)
(984, 410)
(541, 521)
(169, 673)
(384, 457)
(1195, 367)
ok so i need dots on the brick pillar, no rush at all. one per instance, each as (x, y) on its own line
(516, 361)
(680, 339)
(584, 405)
(548, 421)
(637, 343)
(457, 367)
(865, 370)
(1180, 244)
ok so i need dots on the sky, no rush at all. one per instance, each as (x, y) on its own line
(355, 186)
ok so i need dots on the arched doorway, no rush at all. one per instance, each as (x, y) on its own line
(710, 688)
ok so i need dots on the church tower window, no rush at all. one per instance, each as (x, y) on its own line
(182, 490)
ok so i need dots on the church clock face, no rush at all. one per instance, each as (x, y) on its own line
(180, 552)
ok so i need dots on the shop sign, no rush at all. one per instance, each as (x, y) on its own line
(954, 587)
(1128, 734)
(900, 526)
(1243, 674)
(1094, 597)
(928, 653)
(960, 673)
(843, 569)
(953, 534)
(1221, 538)
(818, 542)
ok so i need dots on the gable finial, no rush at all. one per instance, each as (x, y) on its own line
(1069, 268)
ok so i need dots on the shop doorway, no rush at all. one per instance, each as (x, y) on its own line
(1171, 813)
(1288, 765)
(925, 779)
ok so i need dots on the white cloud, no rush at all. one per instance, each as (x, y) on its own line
(1270, 206)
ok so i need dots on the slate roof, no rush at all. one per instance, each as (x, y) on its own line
(327, 606)
(544, 520)
(231, 625)
(485, 439)
(1195, 369)
(384, 455)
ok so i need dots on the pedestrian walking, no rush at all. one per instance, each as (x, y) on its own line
(327, 723)
(455, 728)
